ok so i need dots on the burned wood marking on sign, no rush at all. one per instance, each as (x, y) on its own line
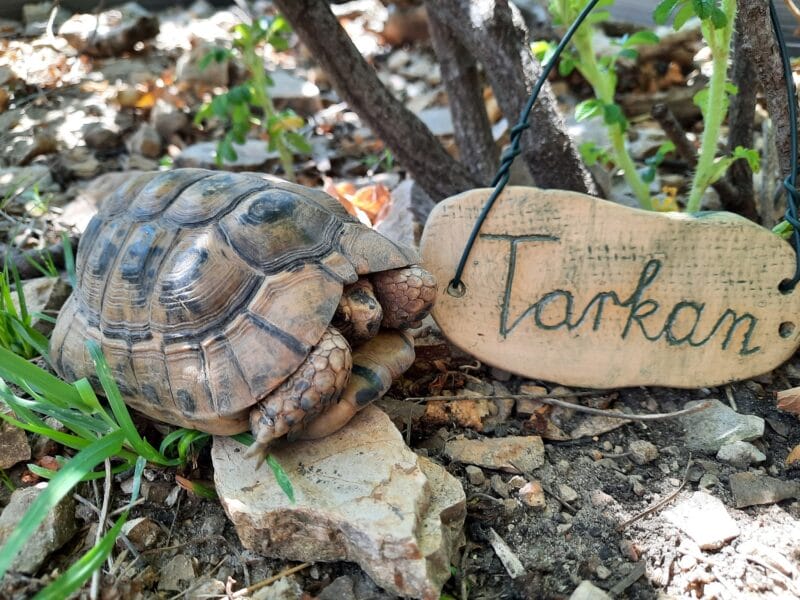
(568, 288)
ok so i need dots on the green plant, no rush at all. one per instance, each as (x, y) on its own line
(237, 104)
(717, 19)
(599, 72)
(16, 322)
(98, 434)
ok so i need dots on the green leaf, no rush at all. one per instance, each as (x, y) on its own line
(629, 53)
(588, 109)
(750, 155)
(281, 477)
(298, 142)
(219, 105)
(640, 38)
(591, 153)
(613, 115)
(684, 14)
(58, 487)
(718, 18)
(703, 8)
(664, 10)
(567, 64)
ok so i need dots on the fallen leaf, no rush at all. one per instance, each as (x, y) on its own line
(794, 456)
(789, 400)
(371, 199)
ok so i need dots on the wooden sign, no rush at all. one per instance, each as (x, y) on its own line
(568, 288)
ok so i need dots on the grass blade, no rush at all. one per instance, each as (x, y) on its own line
(281, 477)
(66, 479)
(25, 374)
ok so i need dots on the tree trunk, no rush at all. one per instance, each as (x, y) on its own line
(493, 32)
(473, 132)
(412, 144)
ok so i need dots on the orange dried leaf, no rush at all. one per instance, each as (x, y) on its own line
(371, 199)
(794, 456)
(342, 191)
(147, 100)
(789, 400)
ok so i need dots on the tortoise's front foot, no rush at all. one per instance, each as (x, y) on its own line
(406, 295)
(376, 364)
(317, 383)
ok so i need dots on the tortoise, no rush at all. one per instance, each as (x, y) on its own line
(221, 301)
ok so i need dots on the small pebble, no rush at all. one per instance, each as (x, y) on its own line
(563, 466)
(687, 562)
(674, 481)
(629, 550)
(499, 486)
(563, 527)
(642, 452)
(510, 505)
(638, 488)
(708, 481)
(532, 495)
(608, 446)
(475, 475)
(599, 498)
(516, 482)
(566, 493)
(602, 572)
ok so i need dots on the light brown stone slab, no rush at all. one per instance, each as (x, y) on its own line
(361, 495)
(568, 288)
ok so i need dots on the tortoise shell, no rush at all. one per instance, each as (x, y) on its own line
(206, 289)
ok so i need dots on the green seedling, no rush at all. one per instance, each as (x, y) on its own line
(249, 104)
(599, 72)
(717, 19)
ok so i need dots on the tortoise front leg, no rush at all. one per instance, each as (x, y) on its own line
(376, 364)
(316, 384)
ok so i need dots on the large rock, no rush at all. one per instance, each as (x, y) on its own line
(710, 429)
(361, 495)
(57, 528)
(110, 33)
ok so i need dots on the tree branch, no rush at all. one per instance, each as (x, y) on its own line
(412, 143)
(473, 132)
(740, 126)
(494, 33)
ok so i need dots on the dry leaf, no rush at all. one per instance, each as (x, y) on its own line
(4, 97)
(464, 413)
(794, 456)
(789, 400)
(147, 100)
(371, 199)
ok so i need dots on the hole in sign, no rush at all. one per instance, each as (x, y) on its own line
(785, 287)
(457, 290)
(786, 329)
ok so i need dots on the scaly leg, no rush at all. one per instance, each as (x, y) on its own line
(406, 295)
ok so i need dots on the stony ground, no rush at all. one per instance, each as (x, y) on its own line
(700, 506)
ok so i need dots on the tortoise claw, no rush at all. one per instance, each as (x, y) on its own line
(259, 451)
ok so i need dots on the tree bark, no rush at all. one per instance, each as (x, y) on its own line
(759, 45)
(412, 143)
(740, 127)
(494, 33)
(473, 132)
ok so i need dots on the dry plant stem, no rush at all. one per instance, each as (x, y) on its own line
(675, 132)
(269, 580)
(96, 511)
(494, 33)
(473, 132)
(411, 142)
(663, 502)
(741, 118)
(94, 589)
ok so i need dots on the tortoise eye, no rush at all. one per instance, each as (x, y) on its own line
(269, 208)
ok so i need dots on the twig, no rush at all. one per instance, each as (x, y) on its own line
(663, 502)
(94, 590)
(270, 580)
(731, 399)
(549, 399)
(506, 555)
(51, 21)
(96, 510)
(174, 516)
(623, 584)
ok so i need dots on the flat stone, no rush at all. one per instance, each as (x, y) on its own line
(14, 446)
(111, 32)
(710, 429)
(361, 495)
(475, 475)
(740, 454)
(102, 136)
(251, 156)
(167, 119)
(56, 529)
(142, 532)
(588, 591)
(526, 452)
(341, 588)
(705, 519)
(177, 575)
(750, 489)
(403, 219)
